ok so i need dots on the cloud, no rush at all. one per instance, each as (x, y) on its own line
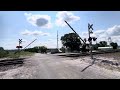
(114, 31)
(39, 33)
(26, 32)
(24, 40)
(52, 43)
(43, 21)
(65, 15)
(50, 39)
(103, 35)
(35, 33)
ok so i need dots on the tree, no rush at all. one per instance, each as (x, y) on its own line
(114, 45)
(1, 49)
(43, 49)
(71, 41)
(37, 49)
(102, 44)
(62, 49)
(3, 53)
(95, 47)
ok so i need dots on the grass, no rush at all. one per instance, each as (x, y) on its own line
(3, 53)
(12, 54)
(20, 54)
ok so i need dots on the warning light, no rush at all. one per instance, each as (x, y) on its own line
(18, 46)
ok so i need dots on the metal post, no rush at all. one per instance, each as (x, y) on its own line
(19, 48)
(57, 39)
(90, 42)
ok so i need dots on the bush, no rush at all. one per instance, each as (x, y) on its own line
(3, 53)
(43, 49)
(102, 44)
(62, 49)
(1, 49)
(114, 45)
(95, 47)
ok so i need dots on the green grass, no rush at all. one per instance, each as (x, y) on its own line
(3, 53)
(12, 54)
(20, 54)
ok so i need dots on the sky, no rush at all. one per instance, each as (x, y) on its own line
(43, 26)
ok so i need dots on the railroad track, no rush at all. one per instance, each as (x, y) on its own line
(86, 54)
(11, 62)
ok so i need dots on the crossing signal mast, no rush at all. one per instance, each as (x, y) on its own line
(90, 39)
(20, 41)
(19, 46)
(90, 31)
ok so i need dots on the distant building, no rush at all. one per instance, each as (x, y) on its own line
(53, 50)
(105, 48)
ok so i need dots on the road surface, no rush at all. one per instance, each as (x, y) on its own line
(48, 66)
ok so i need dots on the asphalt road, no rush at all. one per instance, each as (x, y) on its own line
(47, 66)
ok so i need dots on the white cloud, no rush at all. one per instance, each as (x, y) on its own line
(26, 32)
(103, 35)
(23, 40)
(65, 15)
(27, 14)
(50, 39)
(39, 33)
(52, 43)
(114, 31)
(35, 33)
(43, 21)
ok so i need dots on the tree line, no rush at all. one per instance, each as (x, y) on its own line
(72, 42)
(37, 49)
(3, 53)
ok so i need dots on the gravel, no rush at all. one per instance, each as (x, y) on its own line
(48, 66)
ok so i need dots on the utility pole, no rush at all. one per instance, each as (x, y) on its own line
(90, 39)
(57, 39)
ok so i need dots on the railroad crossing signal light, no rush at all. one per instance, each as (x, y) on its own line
(89, 39)
(85, 39)
(94, 38)
(18, 46)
